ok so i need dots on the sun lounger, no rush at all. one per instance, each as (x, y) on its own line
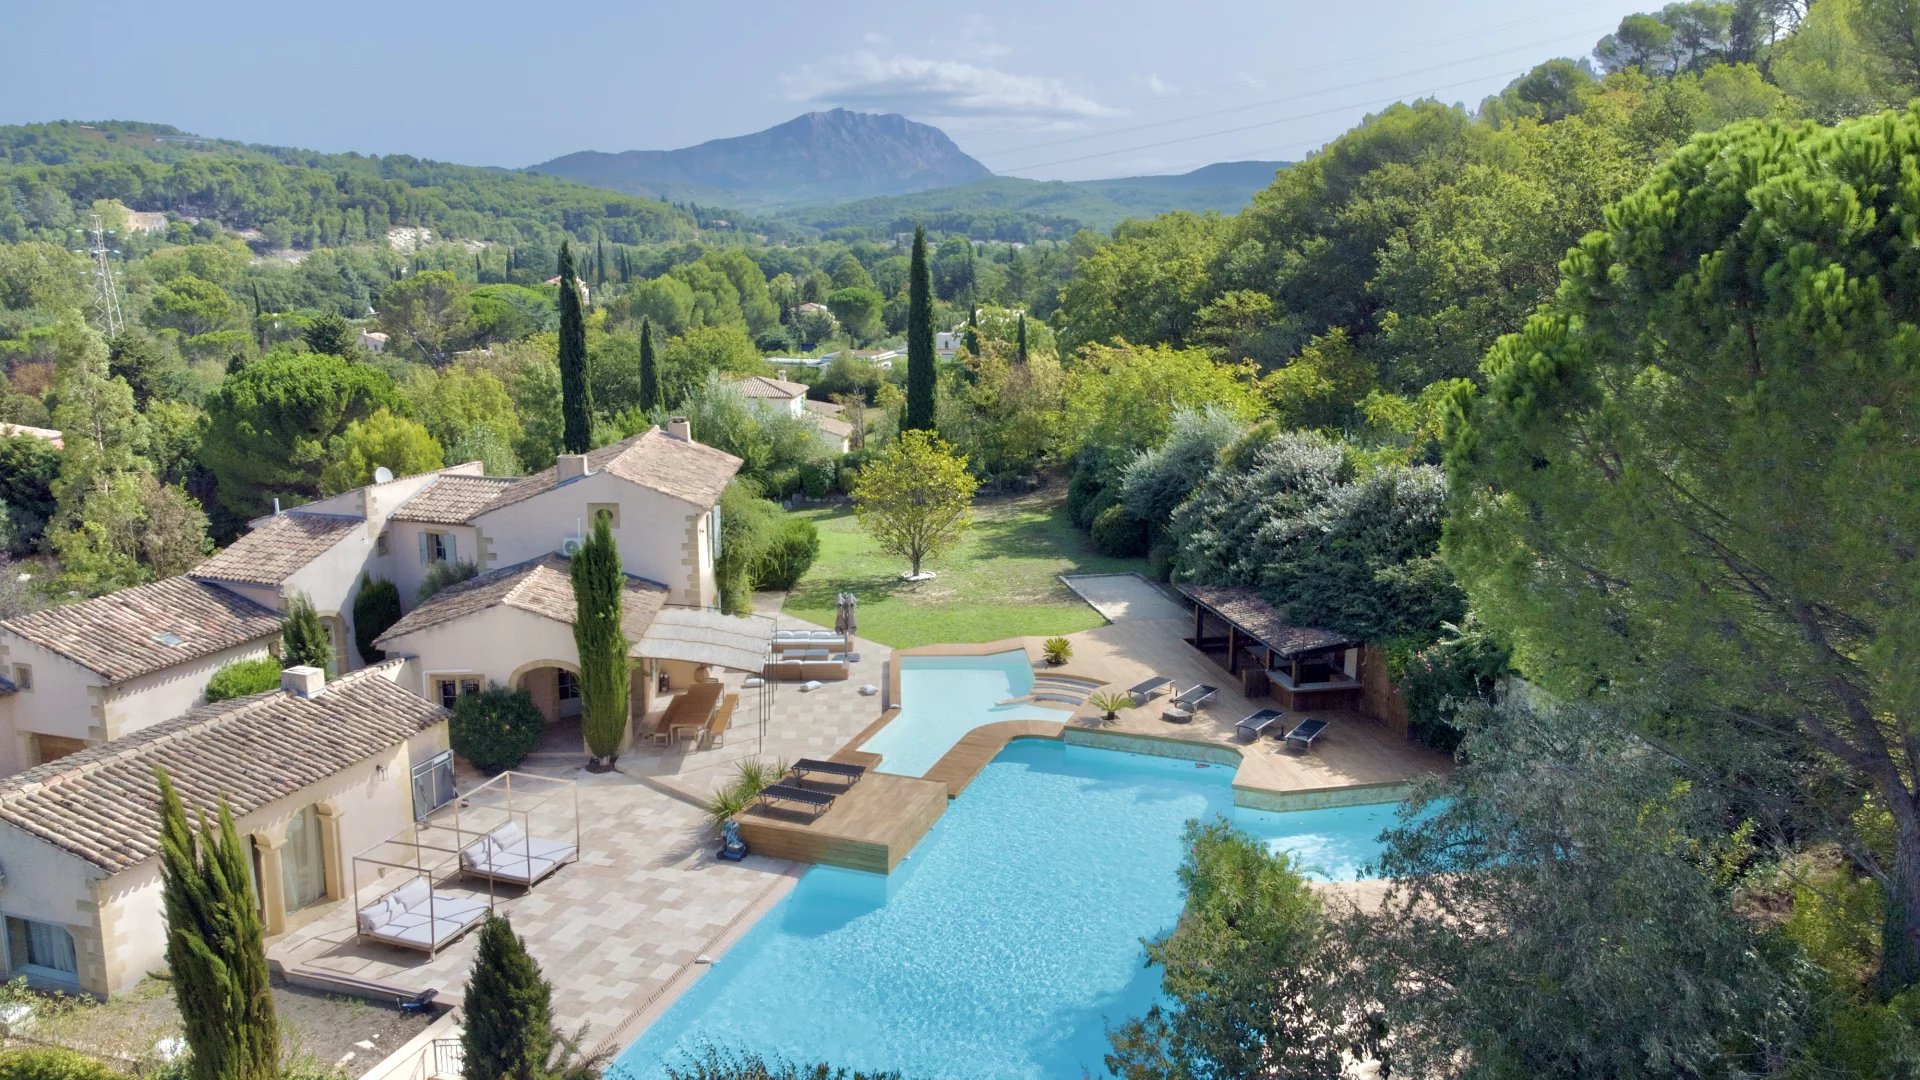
(508, 854)
(850, 773)
(1305, 732)
(1143, 692)
(818, 800)
(1258, 724)
(1195, 698)
(415, 916)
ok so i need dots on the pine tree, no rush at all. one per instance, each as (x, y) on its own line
(302, 639)
(509, 1009)
(1020, 342)
(649, 369)
(920, 373)
(576, 406)
(332, 335)
(216, 947)
(601, 642)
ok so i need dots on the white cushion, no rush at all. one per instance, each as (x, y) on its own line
(413, 894)
(507, 836)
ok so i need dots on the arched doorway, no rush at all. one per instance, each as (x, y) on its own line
(554, 686)
(303, 861)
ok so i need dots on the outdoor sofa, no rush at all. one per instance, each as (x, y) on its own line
(833, 668)
(415, 916)
(786, 641)
(509, 855)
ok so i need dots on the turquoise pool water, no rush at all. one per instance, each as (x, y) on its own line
(1008, 942)
(944, 697)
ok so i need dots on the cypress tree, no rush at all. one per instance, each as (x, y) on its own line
(601, 642)
(1020, 342)
(600, 260)
(302, 639)
(216, 947)
(649, 369)
(576, 407)
(973, 330)
(509, 1023)
(920, 373)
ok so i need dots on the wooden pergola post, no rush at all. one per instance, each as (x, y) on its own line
(1199, 623)
(1233, 649)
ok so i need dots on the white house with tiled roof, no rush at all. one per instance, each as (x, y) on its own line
(315, 773)
(778, 397)
(88, 672)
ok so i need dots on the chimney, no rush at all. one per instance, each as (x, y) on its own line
(301, 681)
(570, 466)
(681, 428)
(781, 374)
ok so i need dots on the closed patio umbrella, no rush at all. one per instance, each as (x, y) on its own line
(850, 614)
(840, 614)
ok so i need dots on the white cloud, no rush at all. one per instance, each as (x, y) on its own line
(940, 89)
(1156, 85)
(873, 38)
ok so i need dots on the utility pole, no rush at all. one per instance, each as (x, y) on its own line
(106, 295)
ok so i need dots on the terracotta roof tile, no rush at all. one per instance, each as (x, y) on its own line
(278, 549)
(687, 471)
(452, 499)
(101, 804)
(542, 586)
(148, 627)
(762, 386)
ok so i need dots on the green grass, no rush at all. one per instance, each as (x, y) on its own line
(1001, 581)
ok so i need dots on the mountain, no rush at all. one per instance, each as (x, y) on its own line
(1014, 208)
(822, 157)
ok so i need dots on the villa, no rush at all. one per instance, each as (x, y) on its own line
(778, 397)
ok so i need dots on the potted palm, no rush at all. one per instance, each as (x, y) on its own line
(1057, 650)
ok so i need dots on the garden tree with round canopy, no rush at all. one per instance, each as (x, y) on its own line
(1689, 482)
(916, 498)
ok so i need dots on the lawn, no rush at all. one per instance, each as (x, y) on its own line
(1001, 581)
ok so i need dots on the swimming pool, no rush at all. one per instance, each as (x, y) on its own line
(1005, 946)
(944, 697)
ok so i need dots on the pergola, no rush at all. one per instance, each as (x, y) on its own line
(1281, 651)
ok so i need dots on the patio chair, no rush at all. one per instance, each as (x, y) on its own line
(819, 801)
(850, 773)
(1258, 724)
(1302, 736)
(1143, 692)
(1195, 698)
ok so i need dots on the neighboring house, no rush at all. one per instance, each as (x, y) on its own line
(86, 673)
(585, 294)
(811, 308)
(778, 397)
(373, 341)
(946, 343)
(315, 773)
(48, 434)
(797, 361)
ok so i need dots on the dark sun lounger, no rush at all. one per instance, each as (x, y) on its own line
(818, 800)
(1194, 697)
(1143, 692)
(1303, 735)
(851, 773)
(1258, 724)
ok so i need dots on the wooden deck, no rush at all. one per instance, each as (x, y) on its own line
(871, 825)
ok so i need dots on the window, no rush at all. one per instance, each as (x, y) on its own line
(54, 747)
(609, 511)
(336, 629)
(39, 948)
(432, 784)
(438, 547)
(303, 870)
(380, 544)
(569, 685)
(22, 677)
(448, 691)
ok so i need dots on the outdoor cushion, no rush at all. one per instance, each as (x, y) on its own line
(506, 836)
(413, 894)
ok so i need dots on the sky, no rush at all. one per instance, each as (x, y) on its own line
(1038, 88)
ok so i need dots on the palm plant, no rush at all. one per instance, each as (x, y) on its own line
(1058, 650)
(751, 777)
(1109, 702)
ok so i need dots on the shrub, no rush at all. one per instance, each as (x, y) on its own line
(1058, 650)
(714, 1064)
(1117, 533)
(443, 574)
(243, 677)
(817, 479)
(1437, 681)
(375, 609)
(48, 1063)
(782, 482)
(794, 546)
(496, 728)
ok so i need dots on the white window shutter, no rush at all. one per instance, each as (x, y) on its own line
(453, 548)
(424, 557)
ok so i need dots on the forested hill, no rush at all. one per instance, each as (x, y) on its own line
(52, 172)
(1013, 208)
(821, 157)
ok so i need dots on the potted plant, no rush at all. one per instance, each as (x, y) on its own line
(1109, 703)
(1058, 650)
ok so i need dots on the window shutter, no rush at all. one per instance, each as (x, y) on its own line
(424, 557)
(453, 548)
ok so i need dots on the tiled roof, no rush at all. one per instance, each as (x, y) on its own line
(100, 804)
(278, 549)
(452, 498)
(687, 471)
(1248, 610)
(833, 426)
(761, 386)
(541, 586)
(824, 408)
(148, 627)
(49, 434)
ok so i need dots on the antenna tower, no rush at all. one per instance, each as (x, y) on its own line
(106, 295)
